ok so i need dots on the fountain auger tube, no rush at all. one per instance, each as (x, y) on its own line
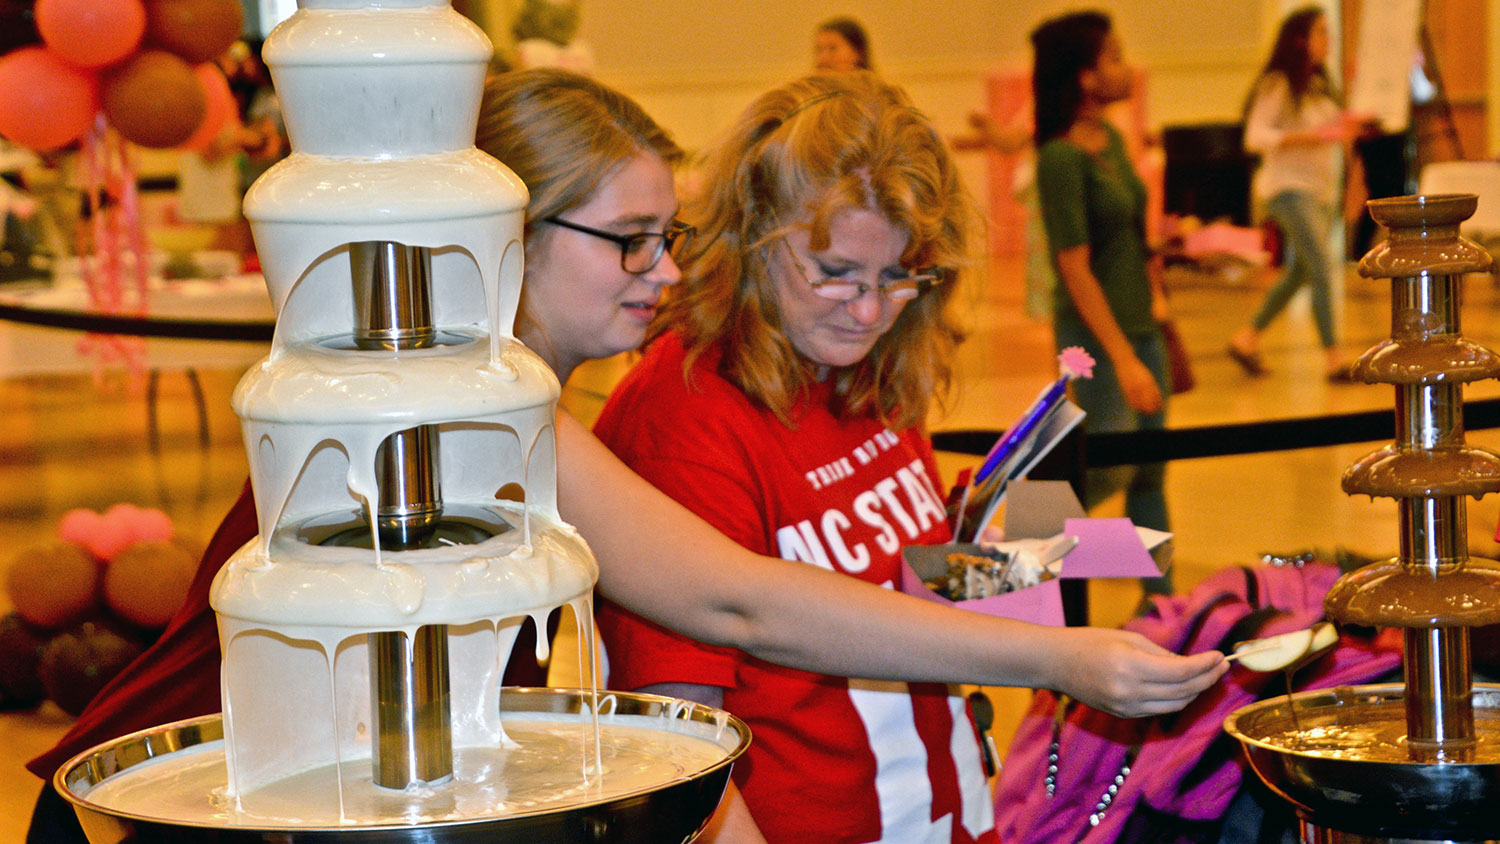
(411, 717)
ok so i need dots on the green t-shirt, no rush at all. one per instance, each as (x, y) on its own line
(1098, 201)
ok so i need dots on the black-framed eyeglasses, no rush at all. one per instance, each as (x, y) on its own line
(901, 289)
(642, 251)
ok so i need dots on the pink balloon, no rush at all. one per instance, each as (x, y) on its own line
(122, 512)
(45, 103)
(117, 531)
(76, 526)
(221, 107)
(139, 524)
(91, 33)
(107, 543)
(152, 525)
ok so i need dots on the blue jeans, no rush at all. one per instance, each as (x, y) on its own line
(1304, 225)
(1102, 398)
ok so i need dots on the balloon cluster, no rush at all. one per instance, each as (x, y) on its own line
(147, 64)
(88, 603)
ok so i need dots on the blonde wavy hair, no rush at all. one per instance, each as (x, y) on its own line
(806, 151)
(563, 134)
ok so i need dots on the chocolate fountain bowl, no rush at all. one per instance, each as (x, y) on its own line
(673, 811)
(1379, 798)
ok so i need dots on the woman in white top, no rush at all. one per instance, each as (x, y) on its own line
(1294, 121)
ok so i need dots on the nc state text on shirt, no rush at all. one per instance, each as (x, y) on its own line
(841, 468)
(907, 498)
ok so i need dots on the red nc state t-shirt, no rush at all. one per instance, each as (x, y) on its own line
(832, 759)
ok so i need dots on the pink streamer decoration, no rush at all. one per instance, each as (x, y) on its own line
(118, 240)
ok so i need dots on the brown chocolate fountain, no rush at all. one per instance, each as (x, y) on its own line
(1420, 761)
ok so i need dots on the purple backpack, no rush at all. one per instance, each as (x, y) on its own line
(1083, 777)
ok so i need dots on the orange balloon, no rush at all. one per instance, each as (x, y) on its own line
(53, 585)
(196, 30)
(154, 99)
(147, 582)
(45, 103)
(91, 33)
(222, 108)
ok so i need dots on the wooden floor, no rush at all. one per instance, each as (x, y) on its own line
(68, 440)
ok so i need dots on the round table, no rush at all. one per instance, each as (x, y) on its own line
(236, 309)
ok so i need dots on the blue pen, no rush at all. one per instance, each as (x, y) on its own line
(1028, 423)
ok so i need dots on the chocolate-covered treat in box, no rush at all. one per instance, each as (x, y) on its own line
(980, 572)
(1048, 539)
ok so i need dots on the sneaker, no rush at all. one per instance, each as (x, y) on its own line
(1248, 361)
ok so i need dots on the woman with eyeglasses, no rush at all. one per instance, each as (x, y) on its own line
(783, 397)
(1094, 210)
(602, 241)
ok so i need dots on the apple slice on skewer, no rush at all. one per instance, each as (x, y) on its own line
(1274, 653)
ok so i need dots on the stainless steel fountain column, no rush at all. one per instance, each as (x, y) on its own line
(411, 722)
(1433, 530)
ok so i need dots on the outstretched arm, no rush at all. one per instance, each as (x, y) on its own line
(663, 562)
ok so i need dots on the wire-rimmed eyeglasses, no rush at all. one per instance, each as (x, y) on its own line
(642, 251)
(902, 289)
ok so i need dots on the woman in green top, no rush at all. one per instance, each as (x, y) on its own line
(1094, 207)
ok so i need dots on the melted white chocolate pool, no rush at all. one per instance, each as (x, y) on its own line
(549, 768)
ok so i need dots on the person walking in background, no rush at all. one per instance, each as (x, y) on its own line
(1294, 121)
(1108, 300)
(841, 44)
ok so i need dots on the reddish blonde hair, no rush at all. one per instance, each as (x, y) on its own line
(808, 150)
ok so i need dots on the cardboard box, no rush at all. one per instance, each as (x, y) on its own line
(1042, 510)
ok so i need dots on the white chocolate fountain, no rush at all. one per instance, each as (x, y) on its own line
(402, 455)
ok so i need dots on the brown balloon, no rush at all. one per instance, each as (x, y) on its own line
(196, 30)
(154, 99)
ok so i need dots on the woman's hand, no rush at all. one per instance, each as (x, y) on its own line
(1161, 308)
(1141, 390)
(1128, 675)
(987, 133)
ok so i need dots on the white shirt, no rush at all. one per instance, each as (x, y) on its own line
(1316, 169)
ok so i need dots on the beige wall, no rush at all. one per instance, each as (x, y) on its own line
(695, 65)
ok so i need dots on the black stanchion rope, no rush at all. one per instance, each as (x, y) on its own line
(1135, 447)
(96, 323)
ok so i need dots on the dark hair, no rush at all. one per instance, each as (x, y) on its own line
(850, 30)
(1063, 48)
(1290, 58)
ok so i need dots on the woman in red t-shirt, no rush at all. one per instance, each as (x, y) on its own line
(783, 397)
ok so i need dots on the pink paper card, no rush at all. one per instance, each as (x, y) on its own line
(1107, 548)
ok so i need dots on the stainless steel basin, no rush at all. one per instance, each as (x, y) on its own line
(672, 812)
